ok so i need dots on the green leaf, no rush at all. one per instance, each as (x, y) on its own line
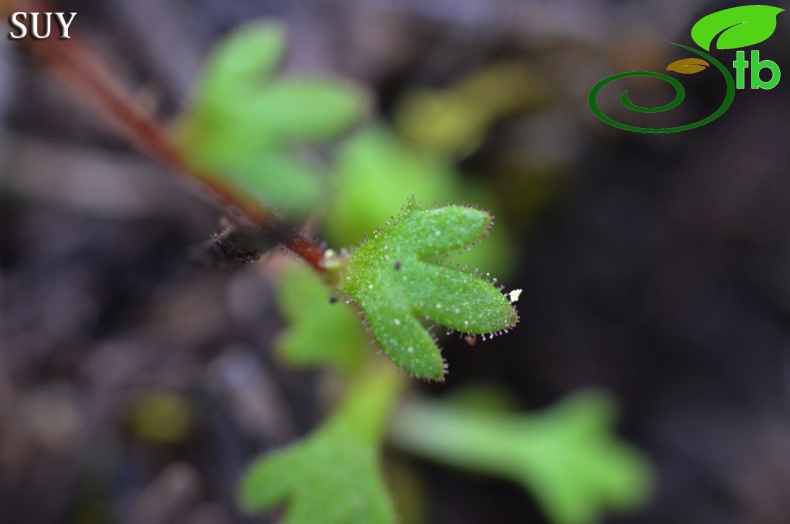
(244, 60)
(393, 281)
(309, 109)
(568, 456)
(375, 172)
(319, 333)
(333, 476)
(245, 125)
(454, 121)
(279, 180)
(742, 26)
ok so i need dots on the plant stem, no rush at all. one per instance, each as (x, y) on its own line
(87, 76)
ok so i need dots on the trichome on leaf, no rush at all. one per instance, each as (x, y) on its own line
(395, 279)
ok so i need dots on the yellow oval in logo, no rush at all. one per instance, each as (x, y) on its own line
(688, 66)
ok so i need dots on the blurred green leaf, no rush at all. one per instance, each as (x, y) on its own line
(482, 397)
(309, 109)
(278, 179)
(391, 279)
(455, 121)
(442, 122)
(319, 333)
(568, 456)
(244, 60)
(376, 173)
(333, 476)
(245, 124)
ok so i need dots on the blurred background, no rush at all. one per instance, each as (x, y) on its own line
(136, 386)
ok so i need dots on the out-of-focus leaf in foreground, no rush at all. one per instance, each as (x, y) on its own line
(567, 456)
(334, 475)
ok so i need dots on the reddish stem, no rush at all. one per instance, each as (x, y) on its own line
(84, 72)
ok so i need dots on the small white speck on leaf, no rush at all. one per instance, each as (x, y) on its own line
(513, 295)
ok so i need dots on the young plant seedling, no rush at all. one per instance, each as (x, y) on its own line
(241, 141)
(394, 278)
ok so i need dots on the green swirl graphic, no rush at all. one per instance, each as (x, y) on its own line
(680, 95)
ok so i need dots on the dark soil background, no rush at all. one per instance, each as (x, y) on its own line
(657, 267)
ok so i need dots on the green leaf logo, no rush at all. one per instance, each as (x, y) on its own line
(738, 27)
(394, 278)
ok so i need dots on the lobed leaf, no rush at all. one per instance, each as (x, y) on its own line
(394, 279)
(334, 475)
(567, 456)
(332, 478)
(245, 123)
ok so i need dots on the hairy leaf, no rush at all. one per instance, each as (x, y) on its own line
(376, 172)
(742, 26)
(567, 457)
(393, 280)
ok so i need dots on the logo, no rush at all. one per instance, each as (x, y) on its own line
(733, 28)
